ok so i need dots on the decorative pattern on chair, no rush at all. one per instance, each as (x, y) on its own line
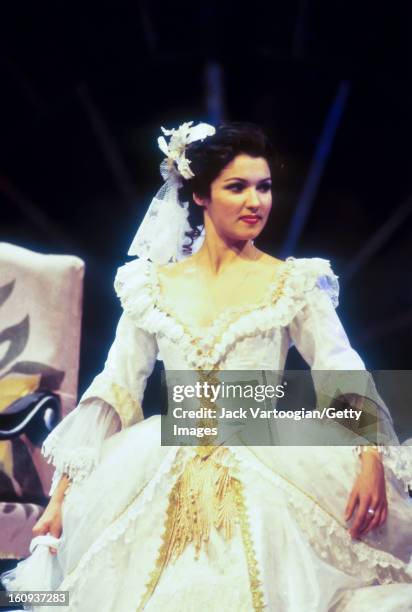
(19, 479)
(40, 321)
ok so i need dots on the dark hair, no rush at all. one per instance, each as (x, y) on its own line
(209, 157)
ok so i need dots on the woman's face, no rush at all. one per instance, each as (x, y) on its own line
(240, 198)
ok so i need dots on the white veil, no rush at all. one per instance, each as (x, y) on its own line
(162, 233)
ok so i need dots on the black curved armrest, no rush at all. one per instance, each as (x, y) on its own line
(35, 415)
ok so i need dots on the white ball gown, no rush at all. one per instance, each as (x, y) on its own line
(246, 528)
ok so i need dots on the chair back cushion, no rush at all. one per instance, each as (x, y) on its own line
(40, 326)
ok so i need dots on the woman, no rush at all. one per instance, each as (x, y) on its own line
(150, 527)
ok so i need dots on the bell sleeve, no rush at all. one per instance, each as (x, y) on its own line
(320, 338)
(112, 402)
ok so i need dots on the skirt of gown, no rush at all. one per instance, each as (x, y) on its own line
(245, 529)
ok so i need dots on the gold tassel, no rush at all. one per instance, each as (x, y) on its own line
(203, 497)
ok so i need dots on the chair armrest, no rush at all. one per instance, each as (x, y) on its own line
(35, 415)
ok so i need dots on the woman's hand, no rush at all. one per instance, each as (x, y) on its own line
(50, 521)
(369, 491)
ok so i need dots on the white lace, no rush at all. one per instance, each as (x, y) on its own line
(162, 233)
(326, 535)
(330, 539)
(120, 527)
(137, 285)
(77, 463)
(398, 459)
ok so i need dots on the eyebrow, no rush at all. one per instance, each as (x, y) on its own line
(238, 178)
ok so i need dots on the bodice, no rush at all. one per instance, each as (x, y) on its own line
(253, 336)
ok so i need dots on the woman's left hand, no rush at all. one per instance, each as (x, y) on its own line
(369, 492)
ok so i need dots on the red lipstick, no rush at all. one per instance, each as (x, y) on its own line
(251, 219)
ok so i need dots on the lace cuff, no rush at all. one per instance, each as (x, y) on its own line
(74, 446)
(76, 463)
(398, 459)
(366, 448)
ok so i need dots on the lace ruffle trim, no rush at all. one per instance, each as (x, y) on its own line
(331, 540)
(120, 527)
(77, 462)
(137, 286)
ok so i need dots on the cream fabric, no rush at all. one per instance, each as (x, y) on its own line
(291, 550)
(44, 308)
(40, 325)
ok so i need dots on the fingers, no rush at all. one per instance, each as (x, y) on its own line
(384, 516)
(368, 518)
(361, 520)
(55, 531)
(350, 507)
(375, 522)
(379, 519)
(45, 527)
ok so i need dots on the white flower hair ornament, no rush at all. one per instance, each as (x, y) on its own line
(175, 151)
(162, 233)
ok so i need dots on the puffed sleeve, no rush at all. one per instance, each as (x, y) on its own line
(320, 338)
(316, 330)
(112, 401)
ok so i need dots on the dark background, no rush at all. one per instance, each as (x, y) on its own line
(85, 87)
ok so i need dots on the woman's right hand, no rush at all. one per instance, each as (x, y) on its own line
(50, 522)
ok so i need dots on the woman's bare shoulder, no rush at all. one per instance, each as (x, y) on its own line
(269, 261)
